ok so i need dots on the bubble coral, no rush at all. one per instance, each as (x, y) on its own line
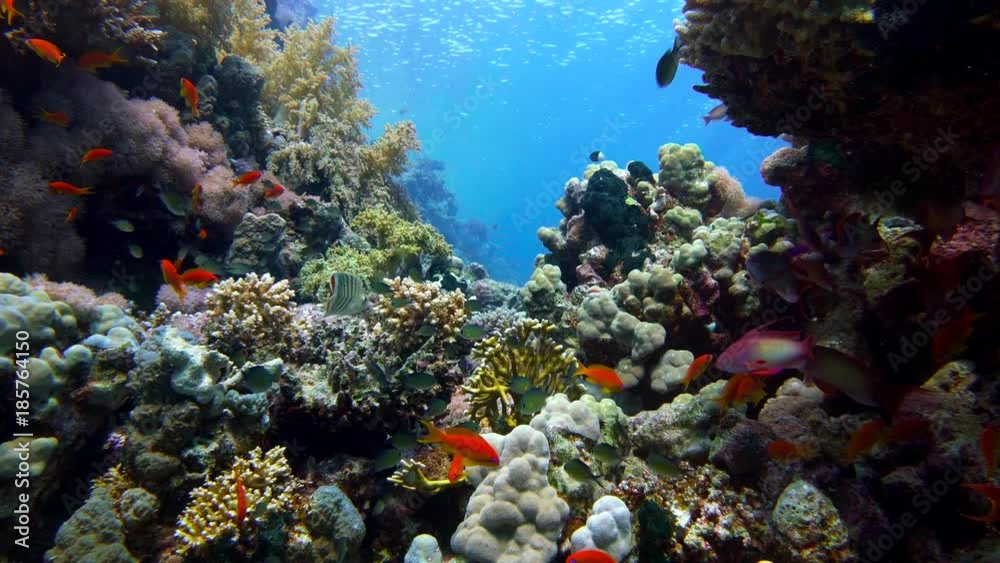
(211, 513)
(525, 350)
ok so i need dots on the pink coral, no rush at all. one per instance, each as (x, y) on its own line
(81, 298)
(193, 303)
(224, 205)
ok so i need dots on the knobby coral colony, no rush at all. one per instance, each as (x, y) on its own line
(235, 420)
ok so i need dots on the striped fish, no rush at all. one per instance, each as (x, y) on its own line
(347, 295)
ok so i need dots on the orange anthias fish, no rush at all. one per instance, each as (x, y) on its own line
(274, 192)
(199, 277)
(46, 50)
(196, 198)
(93, 60)
(697, 367)
(741, 389)
(72, 214)
(69, 189)
(241, 500)
(456, 469)
(950, 339)
(908, 430)
(591, 556)
(203, 234)
(865, 438)
(988, 442)
(248, 179)
(173, 279)
(992, 494)
(602, 376)
(473, 448)
(190, 94)
(8, 8)
(94, 155)
(57, 118)
(785, 451)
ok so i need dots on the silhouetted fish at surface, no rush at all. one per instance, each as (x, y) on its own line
(666, 67)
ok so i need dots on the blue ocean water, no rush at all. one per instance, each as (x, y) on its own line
(513, 95)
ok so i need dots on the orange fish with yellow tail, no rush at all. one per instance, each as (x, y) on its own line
(46, 50)
(248, 179)
(94, 60)
(69, 189)
(172, 278)
(468, 447)
(57, 118)
(7, 7)
(190, 94)
(604, 377)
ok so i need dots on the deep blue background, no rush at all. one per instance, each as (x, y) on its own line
(513, 95)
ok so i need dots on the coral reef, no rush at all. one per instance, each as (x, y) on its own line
(609, 528)
(250, 317)
(526, 350)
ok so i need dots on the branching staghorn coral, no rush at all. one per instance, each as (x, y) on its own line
(525, 350)
(211, 513)
(251, 316)
(426, 305)
(411, 476)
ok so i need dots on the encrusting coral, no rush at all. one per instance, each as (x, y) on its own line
(526, 350)
(211, 513)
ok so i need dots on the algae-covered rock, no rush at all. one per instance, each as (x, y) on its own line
(92, 533)
(335, 523)
(807, 525)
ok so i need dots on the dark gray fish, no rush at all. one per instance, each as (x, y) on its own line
(473, 305)
(347, 295)
(420, 381)
(387, 460)
(472, 332)
(427, 330)
(378, 373)
(470, 425)
(580, 471)
(397, 302)
(520, 384)
(606, 453)
(404, 440)
(380, 287)
(533, 401)
(773, 270)
(436, 408)
(664, 466)
(715, 114)
(237, 269)
(596, 156)
(666, 67)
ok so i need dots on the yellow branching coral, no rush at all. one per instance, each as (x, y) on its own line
(411, 476)
(250, 35)
(211, 513)
(311, 77)
(114, 481)
(236, 27)
(524, 350)
(387, 155)
(250, 316)
(388, 231)
(426, 305)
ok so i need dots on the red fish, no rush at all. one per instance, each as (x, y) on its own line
(741, 389)
(95, 155)
(173, 279)
(8, 8)
(199, 277)
(274, 192)
(602, 376)
(697, 367)
(241, 500)
(988, 441)
(57, 118)
(950, 339)
(203, 234)
(46, 50)
(992, 494)
(456, 469)
(785, 451)
(760, 350)
(248, 179)
(69, 189)
(473, 448)
(72, 214)
(93, 60)
(908, 430)
(196, 198)
(190, 94)
(865, 438)
(591, 556)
